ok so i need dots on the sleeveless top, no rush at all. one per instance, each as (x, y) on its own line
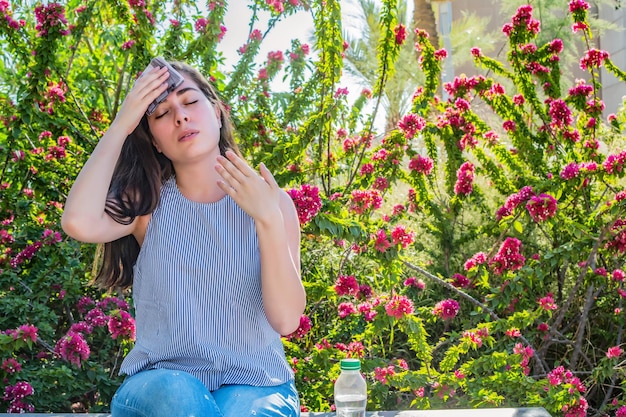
(197, 296)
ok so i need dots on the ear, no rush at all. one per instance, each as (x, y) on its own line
(156, 146)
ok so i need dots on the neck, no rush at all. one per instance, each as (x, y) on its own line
(199, 182)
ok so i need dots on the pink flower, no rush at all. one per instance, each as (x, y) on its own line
(578, 5)
(399, 306)
(509, 126)
(421, 164)
(73, 348)
(201, 25)
(346, 285)
(446, 309)
(570, 171)
(561, 114)
(11, 366)
(410, 124)
(476, 52)
(122, 324)
(541, 207)
(460, 281)
(478, 259)
(368, 311)
(508, 257)
(547, 302)
(414, 282)
(27, 332)
(307, 202)
(401, 33)
(593, 58)
(614, 352)
(618, 275)
(382, 242)
(400, 236)
(364, 200)
(465, 178)
(346, 309)
(303, 328)
(18, 391)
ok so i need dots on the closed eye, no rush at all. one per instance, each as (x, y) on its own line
(192, 102)
(161, 115)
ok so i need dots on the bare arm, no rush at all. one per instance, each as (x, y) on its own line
(278, 231)
(84, 217)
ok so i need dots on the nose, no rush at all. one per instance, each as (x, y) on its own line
(181, 117)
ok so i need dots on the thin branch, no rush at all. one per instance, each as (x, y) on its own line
(492, 314)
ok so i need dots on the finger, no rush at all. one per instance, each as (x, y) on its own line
(267, 175)
(226, 188)
(228, 178)
(239, 163)
(231, 169)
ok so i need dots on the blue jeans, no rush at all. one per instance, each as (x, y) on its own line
(168, 393)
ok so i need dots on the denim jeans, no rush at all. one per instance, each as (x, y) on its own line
(168, 393)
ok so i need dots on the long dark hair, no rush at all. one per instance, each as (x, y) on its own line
(136, 184)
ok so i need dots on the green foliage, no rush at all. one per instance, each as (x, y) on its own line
(472, 256)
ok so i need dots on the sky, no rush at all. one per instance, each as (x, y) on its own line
(298, 25)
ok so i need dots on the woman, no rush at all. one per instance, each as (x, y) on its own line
(210, 247)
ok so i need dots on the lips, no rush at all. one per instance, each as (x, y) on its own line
(187, 134)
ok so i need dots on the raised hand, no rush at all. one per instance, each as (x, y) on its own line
(146, 89)
(257, 194)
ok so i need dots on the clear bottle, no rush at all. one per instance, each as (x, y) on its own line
(350, 390)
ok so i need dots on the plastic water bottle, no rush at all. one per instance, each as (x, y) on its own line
(350, 390)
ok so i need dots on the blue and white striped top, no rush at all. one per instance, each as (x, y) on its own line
(197, 296)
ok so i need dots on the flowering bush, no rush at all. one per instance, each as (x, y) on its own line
(462, 256)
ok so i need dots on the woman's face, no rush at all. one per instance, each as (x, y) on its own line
(186, 126)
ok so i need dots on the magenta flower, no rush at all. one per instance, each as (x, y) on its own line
(364, 200)
(541, 207)
(201, 25)
(421, 164)
(465, 178)
(307, 201)
(410, 124)
(414, 282)
(400, 236)
(303, 328)
(446, 309)
(11, 366)
(578, 5)
(27, 332)
(50, 18)
(346, 285)
(122, 324)
(73, 348)
(382, 242)
(478, 259)
(593, 58)
(508, 257)
(547, 303)
(346, 309)
(460, 281)
(368, 311)
(401, 33)
(399, 306)
(570, 171)
(561, 114)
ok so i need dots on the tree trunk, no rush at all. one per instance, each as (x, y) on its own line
(424, 18)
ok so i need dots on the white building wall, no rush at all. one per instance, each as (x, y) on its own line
(614, 42)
